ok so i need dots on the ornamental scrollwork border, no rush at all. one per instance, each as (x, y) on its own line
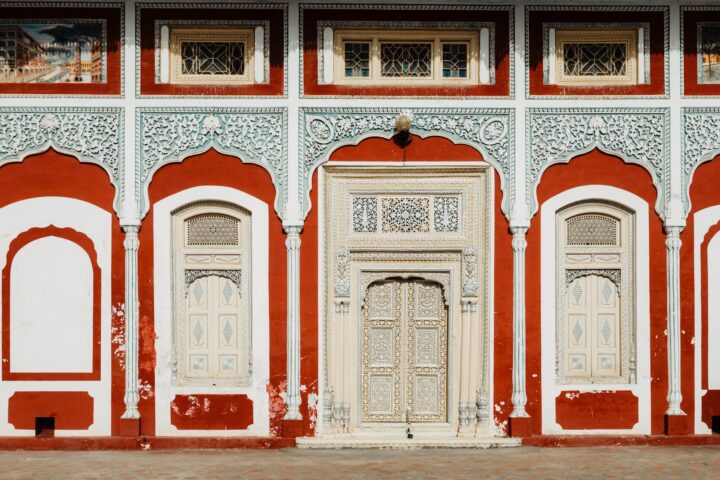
(700, 144)
(170, 135)
(91, 135)
(490, 131)
(639, 136)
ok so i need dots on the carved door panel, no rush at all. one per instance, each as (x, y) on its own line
(592, 327)
(404, 353)
(212, 335)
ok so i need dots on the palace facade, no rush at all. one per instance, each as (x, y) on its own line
(357, 223)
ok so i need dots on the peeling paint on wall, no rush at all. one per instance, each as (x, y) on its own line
(117, 334)
(276, 397)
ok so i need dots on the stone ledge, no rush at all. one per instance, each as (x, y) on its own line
(390, 442)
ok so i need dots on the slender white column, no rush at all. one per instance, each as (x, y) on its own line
(132, 396)
(519, 396)
(465, 346)
(673, 244)
(292, 398)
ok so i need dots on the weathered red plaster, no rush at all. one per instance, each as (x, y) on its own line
(53, 174)
(72, 410)
(211, 412)
(597, 168)
(596, 410)
(703, 194)
(212, 168)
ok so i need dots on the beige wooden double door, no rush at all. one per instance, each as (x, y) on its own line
(404, 352)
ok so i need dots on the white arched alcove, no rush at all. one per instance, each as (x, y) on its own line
(548, 262)
(51, 308)
(96, 224)
(165, 391)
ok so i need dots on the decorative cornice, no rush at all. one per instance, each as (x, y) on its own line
(92, 135)
(700, 144)
(640, 136)
(491, 131)
(255, 135)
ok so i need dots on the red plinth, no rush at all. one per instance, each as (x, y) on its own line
(519, 427)
(678, 425)
(129, 427)
(292, 428)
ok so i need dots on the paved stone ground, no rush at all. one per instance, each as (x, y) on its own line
(656, 463)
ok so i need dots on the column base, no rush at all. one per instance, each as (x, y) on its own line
(519, 427)
(292, 428)
(129, 427)
(678, 425)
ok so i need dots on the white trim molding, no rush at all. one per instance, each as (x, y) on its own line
(639, 136)
(91, 135)
(490, 131)
(170, 135)
(548, 309)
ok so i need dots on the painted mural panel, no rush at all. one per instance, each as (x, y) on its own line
(709, 58)
(53, 51)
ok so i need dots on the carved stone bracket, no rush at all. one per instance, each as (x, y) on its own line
(232, 275)
(612, 274)
(255, 135)
(700, 144)
(639, 136)
(488, 130)
(469, 272)
(342, 272)
(92, 135)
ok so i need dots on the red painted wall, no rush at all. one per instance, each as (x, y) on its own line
(419, 150)
(596, 410)
(211, 412)
(54, 174)
(501, 18)
(657, 49)
(213, 168)
(275, 84)
(703, 194)
(597, 168)
(71, 410)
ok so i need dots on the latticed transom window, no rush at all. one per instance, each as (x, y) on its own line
(406, 57)
(455, 60)
(212, 229)
(596, 57)
(592, 229)
(357, 59)
(213, 58)
(201, 56)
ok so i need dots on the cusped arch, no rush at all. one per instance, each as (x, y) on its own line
(489, 131)
(90, 135)
(254, 136)
(636, 136)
